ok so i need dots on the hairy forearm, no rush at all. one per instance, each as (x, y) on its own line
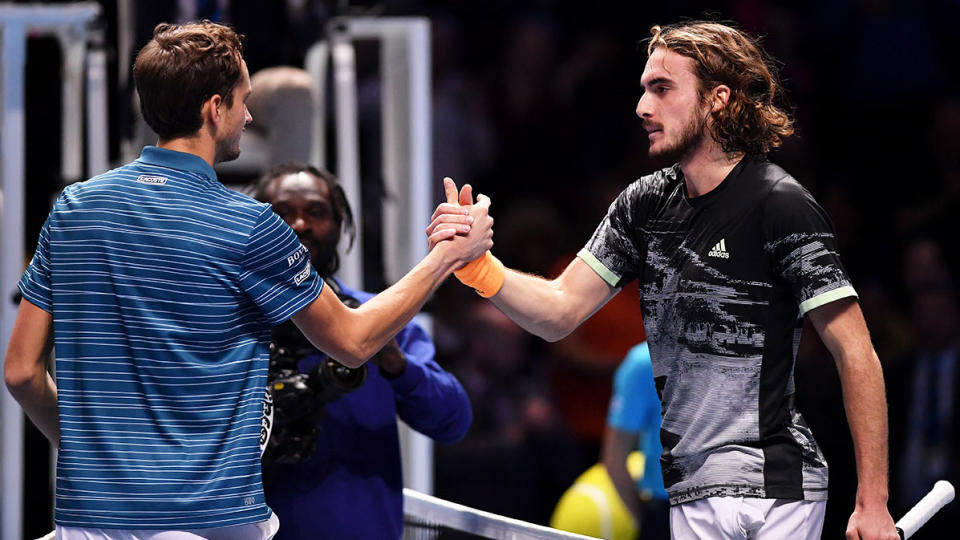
(866, 407)
(537, 305)
(36, 392)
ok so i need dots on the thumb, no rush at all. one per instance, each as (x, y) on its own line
(483, 200)
(450, 189)
(466, 195)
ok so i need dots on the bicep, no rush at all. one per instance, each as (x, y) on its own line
(583, 290)
(31, 338)
(326, 323)
(842, 328)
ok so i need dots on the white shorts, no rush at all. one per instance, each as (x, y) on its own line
(743, 517)
(263, 530)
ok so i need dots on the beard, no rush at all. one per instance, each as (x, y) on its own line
(323, 255)
(227, 150)
(691, 137)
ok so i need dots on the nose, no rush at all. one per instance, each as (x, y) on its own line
(298, 224)
(249, 117)
(643, 108)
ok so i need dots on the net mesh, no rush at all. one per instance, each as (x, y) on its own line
(428, 518)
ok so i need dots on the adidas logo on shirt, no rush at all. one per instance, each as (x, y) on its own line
(719, 250)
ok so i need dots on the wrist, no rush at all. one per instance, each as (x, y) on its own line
(873, 497)
(485, 274)
(445, 259)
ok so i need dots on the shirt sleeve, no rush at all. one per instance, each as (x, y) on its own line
(36, 284)
(800, 237)
(634, 407)
(276, 272)
(613, 251)
(429, 399)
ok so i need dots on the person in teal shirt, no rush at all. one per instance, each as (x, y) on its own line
(633, 424)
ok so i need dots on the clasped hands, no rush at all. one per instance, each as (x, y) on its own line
(459, 217)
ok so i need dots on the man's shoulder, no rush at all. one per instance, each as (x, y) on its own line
(660, 182)
(777, 181)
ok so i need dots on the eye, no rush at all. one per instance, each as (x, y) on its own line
(319, 212)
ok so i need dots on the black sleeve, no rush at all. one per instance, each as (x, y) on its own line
(614, 251)
(801, 239)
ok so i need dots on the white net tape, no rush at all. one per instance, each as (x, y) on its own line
(428, 517)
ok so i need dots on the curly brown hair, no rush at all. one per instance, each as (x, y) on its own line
(182, 67)
(751, 122)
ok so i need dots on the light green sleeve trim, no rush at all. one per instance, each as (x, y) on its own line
(612, 279)
(826, 298)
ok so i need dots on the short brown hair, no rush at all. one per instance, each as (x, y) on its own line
(752, 122)
(180, 68)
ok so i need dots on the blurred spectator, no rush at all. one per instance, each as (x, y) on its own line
(925, 411)
(633, 425)
(515, 460)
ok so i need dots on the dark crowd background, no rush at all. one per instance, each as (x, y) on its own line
(534, 106)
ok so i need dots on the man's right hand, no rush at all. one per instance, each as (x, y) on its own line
(466, 223)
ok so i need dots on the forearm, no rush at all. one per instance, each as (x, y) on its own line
(432, 402)
(37, 394)
(843, 330)
(625, 486)
(352, 336)
(25, 368)
(537, 305)
(866, 408)
(383, 316)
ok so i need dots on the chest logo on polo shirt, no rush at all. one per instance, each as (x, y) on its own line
(152, 179)
(720, 250)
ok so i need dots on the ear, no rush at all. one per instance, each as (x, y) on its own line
(719, 97)
(211, 109)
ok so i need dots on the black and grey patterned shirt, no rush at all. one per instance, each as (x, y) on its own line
(724, 281)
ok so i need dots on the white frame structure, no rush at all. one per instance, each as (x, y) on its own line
(407, 160)
(69, 23)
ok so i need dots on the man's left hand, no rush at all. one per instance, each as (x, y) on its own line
(871, 522)
(391, 359)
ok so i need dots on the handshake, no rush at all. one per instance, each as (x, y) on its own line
(459, 219)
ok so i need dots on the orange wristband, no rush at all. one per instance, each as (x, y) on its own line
(485, 274)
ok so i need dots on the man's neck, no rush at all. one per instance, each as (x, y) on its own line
(197, 145)
(705, 168)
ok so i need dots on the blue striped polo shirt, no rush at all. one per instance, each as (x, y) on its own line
(164, 286)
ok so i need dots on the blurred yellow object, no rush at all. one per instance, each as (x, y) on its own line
(591, 506)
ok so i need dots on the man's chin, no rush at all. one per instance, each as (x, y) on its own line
(228, 154)
(665, 154)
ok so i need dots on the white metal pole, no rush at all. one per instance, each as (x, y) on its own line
(316, 62)
(15, 21)
(407, 161)
(11, 247)
(71, 155)
(348, 145)
(98, 149)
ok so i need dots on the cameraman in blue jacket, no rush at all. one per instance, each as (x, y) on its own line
(351, 485)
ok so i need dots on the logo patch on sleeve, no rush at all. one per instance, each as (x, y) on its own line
(302, 275)
(152, 179)
(297, 256)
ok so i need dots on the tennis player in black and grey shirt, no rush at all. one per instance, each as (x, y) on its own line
(730, 253)
(724, 280)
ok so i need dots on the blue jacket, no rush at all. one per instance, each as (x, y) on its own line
(352, 487)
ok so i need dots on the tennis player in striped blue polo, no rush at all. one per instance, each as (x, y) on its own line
(161, 287)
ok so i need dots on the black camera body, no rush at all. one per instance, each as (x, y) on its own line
(298, 398)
